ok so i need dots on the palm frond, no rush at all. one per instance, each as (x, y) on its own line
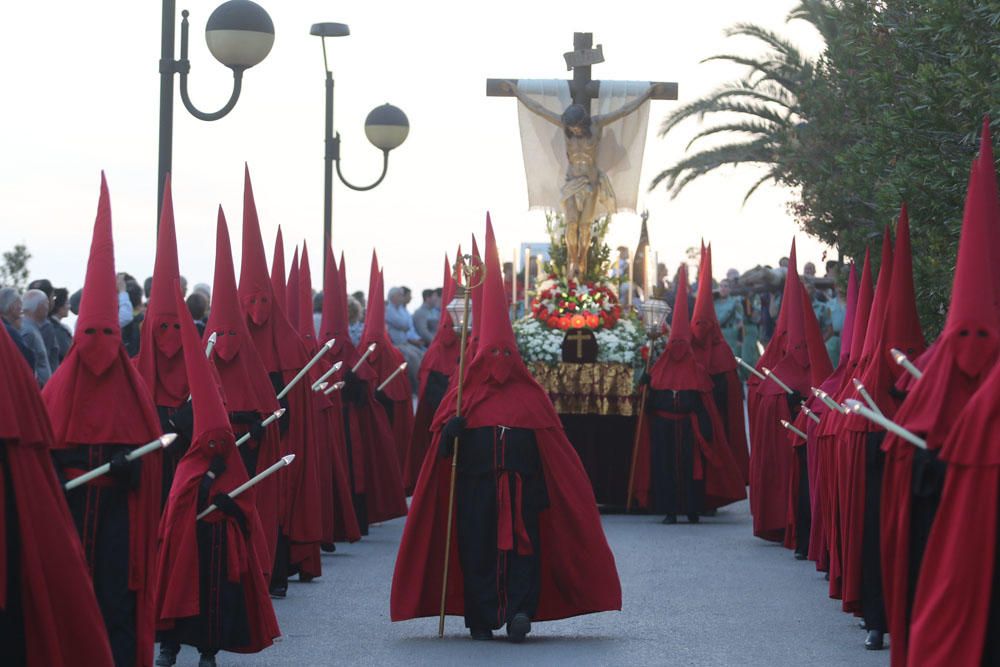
(746, 127)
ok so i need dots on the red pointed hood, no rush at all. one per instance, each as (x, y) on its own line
(677, 368)
(498, 389)
(793, 367)
(477, 304)
(96, 396)
(160, 362)
(244, 378)
(968, 347)
(335, 323)
(704, 322)
(386, 358)
(820, 366)
(212, 433)
(880, 303)
(847, 331)
(291, 290)
(278, 285)
(278, 346)
(442, 353)
(97, 335)
(306, 327)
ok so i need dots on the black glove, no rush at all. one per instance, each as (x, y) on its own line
(125, 472)
(452, 429)
(257, 430)
(381, 397)
(794, 402)
(645, 379)
(183, 420)
(228, 506)
(218, 465)
(351, 391)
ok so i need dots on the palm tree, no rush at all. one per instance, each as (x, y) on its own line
(761, 110)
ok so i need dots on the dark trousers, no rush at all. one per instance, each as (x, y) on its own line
(675, 491)
(872, 598)
(357, 499)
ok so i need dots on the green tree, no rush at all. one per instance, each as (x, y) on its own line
(14, 270)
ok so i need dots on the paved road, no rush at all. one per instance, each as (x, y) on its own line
(708, 594)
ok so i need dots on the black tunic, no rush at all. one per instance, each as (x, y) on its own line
(499, 583)
(12, 645)
(872, 598)
(673, 448)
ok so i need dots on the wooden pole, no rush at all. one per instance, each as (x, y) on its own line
(454, 458)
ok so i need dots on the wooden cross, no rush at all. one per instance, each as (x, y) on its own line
(582, 87)
(578, 337)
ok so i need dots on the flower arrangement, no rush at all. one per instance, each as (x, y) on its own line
(620, 344)
(571, 305)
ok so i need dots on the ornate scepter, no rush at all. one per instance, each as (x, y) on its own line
(653, 311)
(459, 312)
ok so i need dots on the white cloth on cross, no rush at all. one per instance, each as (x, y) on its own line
(543, 144)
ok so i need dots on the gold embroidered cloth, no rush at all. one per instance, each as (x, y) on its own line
(588, 389)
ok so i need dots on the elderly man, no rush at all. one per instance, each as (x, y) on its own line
(399, 323)
(425, 318)
(35, 306)
(10, 313)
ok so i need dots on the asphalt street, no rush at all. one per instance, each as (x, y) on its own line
(707, 594)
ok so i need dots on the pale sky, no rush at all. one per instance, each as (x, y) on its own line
(81, 94)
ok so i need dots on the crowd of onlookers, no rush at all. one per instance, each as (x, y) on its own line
(35, 319)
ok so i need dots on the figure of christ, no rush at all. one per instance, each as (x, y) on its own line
(587, 194)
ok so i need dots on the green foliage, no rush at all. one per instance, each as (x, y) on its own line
(888, 113)
(14, 269)
(598, 255)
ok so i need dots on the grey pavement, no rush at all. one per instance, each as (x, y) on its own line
(707, 594)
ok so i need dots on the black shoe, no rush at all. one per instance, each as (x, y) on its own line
(861, 624)
(693, 518)
(328, 548)
(874, 641)
(800, 556)
(207, 660)
(167, 657)
(279, 592)
(670, 519)
(710, 512)
(481, 634)
(305, 578)
(518, 628)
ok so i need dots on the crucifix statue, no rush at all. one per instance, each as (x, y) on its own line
(586, 195)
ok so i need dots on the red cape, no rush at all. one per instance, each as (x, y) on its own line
(578, 574)
(62, 622)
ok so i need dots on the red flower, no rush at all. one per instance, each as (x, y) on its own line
(564, 322)
(644, 351)
(553, 322)
(591, 320)
(578, 321)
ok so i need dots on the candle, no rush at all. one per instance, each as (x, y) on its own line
(527, 276)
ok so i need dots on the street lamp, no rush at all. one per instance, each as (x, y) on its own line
(239, 34)
(386, 128)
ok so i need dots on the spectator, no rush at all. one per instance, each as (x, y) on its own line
(45, 328)
(204, 290)
(60, 309)
(809, 271)
(402, 334)
(359, 296)
(318, 312)
(425, 318)
(74, 302)
(35, 307)
(10, 313)
(130, 332)
(198, 307)
(355, 318)
(147, 287)
(126, 310)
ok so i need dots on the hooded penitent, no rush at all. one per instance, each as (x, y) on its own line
(283, 354)
(771, 457)
(339, 521)
(160, 362)
(955, 572)
(221, 553)
(577, 569)
(384, 361)
(249, 393)
(98, 404)
(45, 587)
(852, 439)
(712, 350)
(376, 480)
(436, 369)
(678, 370)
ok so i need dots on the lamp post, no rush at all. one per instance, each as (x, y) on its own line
(386, 128)
(239, 34)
